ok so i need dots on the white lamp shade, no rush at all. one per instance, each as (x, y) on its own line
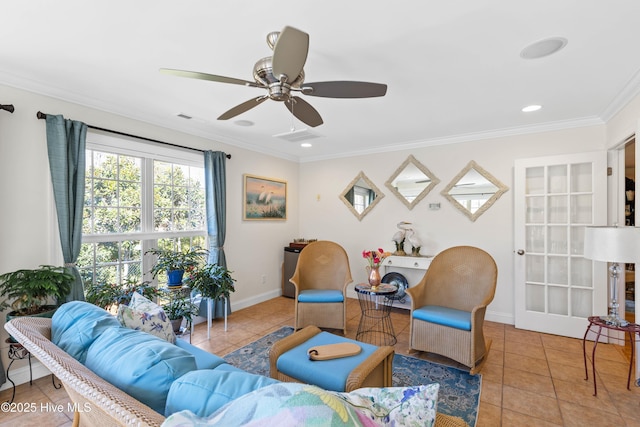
(612, 244)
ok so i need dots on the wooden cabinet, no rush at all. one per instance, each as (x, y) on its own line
(412, 268)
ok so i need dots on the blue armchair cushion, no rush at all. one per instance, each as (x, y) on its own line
(328, 374)
(140, 364)
(320, 295)
(205, 391)
(445, 316)
(76, 325)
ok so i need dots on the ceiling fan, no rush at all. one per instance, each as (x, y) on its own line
(282, 74)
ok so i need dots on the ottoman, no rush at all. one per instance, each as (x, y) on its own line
(289, 362)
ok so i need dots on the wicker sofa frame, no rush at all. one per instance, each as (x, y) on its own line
(109, 406)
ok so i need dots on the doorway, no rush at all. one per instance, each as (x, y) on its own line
(629, 212)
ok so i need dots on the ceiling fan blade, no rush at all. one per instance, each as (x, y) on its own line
(344, 89)
(205, 76)
(241, 108)
(290, 53)
(304, 111)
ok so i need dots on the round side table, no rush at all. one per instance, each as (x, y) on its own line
(375, 325)
(596, 325)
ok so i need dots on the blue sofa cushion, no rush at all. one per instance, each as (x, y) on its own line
(205, 391)
(328, 374)
(320, 295)
(140, 364)
(204, 359)
(76, 325)
(444, 316)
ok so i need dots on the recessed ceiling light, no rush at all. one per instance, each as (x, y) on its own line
(530, 108)
(543, 48)
(306, 145)
(244, 123)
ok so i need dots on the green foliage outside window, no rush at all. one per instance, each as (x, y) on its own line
(113, 206)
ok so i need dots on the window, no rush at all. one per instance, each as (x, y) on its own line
(138, 196)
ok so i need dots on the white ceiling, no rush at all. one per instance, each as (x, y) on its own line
(453, 69)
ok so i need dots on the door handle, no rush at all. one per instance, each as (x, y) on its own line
(520, 252)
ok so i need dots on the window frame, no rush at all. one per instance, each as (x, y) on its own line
(148, 152)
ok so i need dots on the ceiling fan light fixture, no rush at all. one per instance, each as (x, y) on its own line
(543, 48)
(531, 108)
(306, 145)
(297, 135)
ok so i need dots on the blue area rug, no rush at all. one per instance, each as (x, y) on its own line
(459, 393)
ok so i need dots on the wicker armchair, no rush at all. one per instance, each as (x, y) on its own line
(448, 305)
(321, 278)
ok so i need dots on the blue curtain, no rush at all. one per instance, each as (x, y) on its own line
(66, 141)
(215, 185)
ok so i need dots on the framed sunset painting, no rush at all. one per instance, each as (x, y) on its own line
(264, 198)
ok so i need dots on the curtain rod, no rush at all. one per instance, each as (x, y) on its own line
(40, 115)
(7, 107)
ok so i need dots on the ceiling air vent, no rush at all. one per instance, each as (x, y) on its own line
(297, 135)
(184, 116)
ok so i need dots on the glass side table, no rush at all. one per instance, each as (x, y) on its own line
(375, 325)
(18, 352)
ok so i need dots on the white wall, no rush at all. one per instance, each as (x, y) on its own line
(328, 218)
(28, 233)
(28, 229)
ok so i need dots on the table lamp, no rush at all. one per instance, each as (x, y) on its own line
(614, 245)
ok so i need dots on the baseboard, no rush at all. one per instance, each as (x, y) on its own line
(255, 299)
(498, 317)
(21, 375)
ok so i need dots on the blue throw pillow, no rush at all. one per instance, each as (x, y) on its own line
(140, 364)
(205, 391)
(75, 325)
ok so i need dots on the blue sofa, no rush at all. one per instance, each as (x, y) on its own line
(120, 376)
(124, 376)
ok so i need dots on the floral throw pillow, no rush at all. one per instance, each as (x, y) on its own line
(145, 315)
(397, 406)
(294, 405)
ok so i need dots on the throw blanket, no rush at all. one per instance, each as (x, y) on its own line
(293, 405)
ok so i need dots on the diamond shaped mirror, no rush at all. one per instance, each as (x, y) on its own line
(411, 182)
(474, 190)
(361, 195)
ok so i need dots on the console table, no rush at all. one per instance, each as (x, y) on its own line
(595, 322)
(412, 267)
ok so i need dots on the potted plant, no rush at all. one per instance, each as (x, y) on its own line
(212, 281)
(29, 292)
(109, 295)
(179, 308)
(174, 263)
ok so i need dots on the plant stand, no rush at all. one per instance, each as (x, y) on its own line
(210, 314)
(18, 352)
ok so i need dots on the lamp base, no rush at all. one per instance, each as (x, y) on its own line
(614, 321)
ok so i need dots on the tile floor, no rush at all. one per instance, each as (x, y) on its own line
(529, 378)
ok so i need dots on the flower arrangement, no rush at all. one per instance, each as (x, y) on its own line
(375, 257)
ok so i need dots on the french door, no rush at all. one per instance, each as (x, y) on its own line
(556, 288)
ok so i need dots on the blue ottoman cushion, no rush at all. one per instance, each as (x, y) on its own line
(328, 374)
